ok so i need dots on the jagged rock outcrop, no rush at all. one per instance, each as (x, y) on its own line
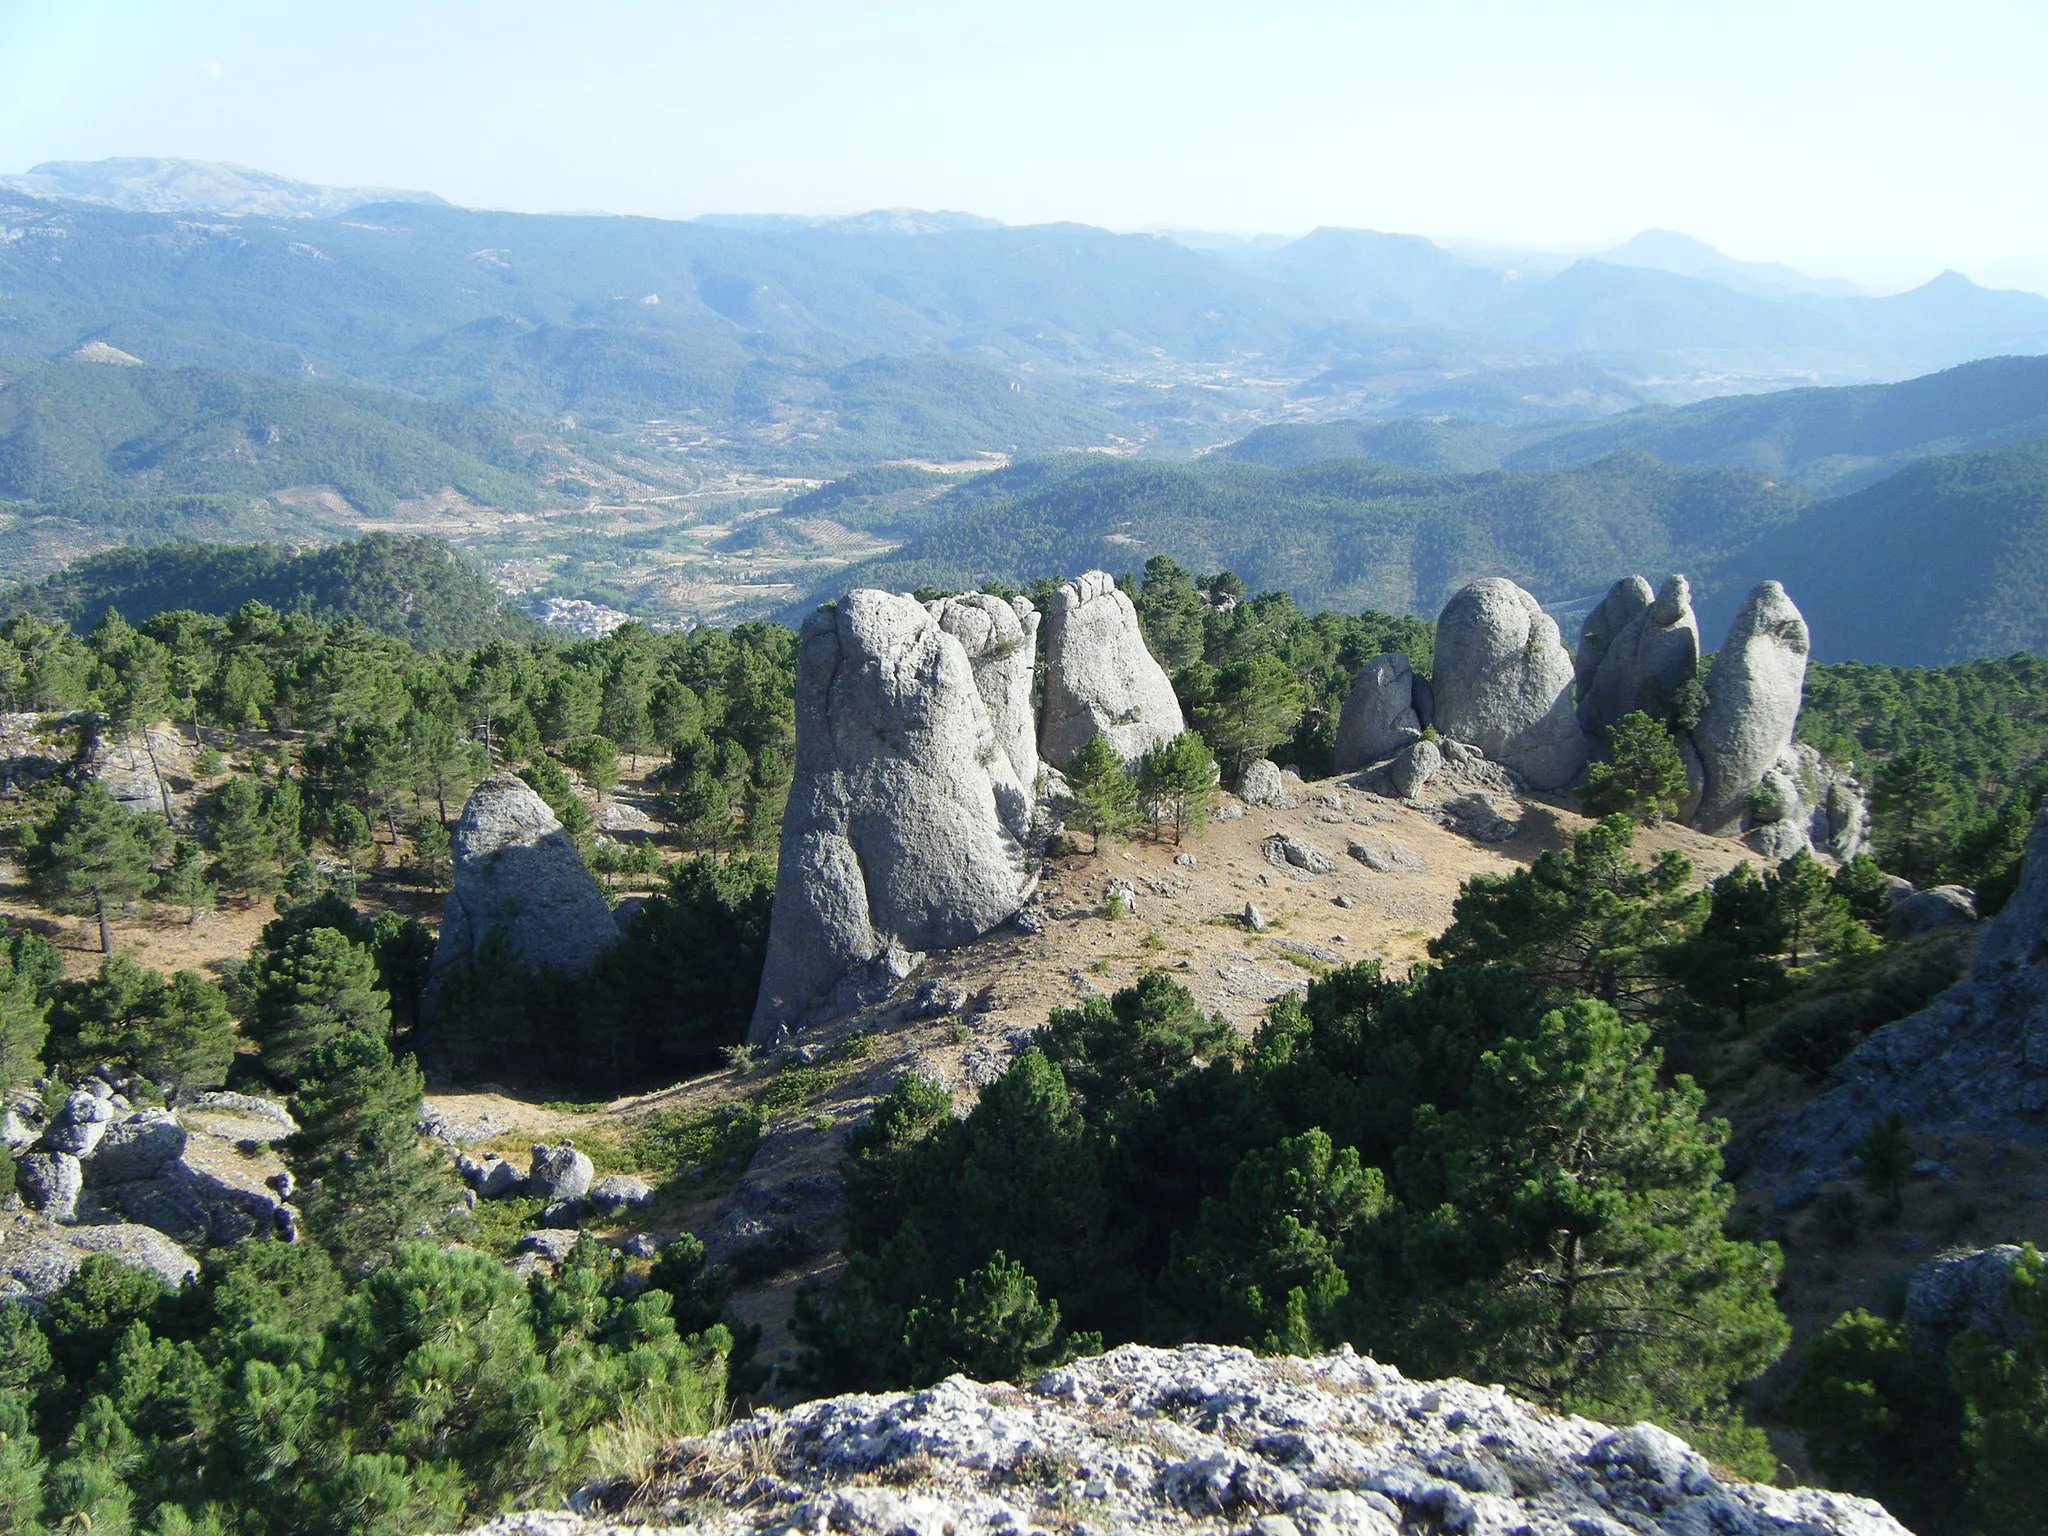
(1753, 701)
(1503, 682)
(1202, 1439)
(1974, 1061)
(517, 871)
(1642, 663)
(1955, 1292)
(1379, 716)
(201, 1174)
(895, 840)
(147, 769)
(1100, 680)
(1001, 641)
(37, 1255)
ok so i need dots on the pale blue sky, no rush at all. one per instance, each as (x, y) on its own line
(1878, 141)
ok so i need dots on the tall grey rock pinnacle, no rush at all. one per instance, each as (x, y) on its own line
(1503, 683)
(1100, 680)
(516, 870)
(896, 836)
(1001, 641)
(1753, 701)
(1642, 664)
(1379, 716)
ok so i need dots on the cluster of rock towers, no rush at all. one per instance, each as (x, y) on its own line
(913, 815)
(1504, 684)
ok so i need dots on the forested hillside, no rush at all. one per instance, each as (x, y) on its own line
(77, 430)
(1349, 534)
(413, 589)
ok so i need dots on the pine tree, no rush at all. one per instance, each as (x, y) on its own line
(1912, 813)
(1568, 1240)
(365, 1186)
(1180, 776)
(1733, 961)
(1252, 704)
(433, 853)
(1586, 921)
(93, 856)
(185, 883)
(322, 984)
(1105, 796)
(1818, 922)
(191, 1041)
(244, 840)
(1641, 774)
(24, 1025)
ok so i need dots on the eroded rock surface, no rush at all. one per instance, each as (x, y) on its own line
(517, 871)
(1203, 1439)
(1379, 716)
(1975, 1060)
(1001, 641)
(1641, 665)
(37, 1255)
(1503, 682)
(1100, 680)
(896, 839)
(1753, 701)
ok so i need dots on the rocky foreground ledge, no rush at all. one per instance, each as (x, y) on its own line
(1197, 1439)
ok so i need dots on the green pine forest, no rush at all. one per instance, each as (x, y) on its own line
(1506, 1165)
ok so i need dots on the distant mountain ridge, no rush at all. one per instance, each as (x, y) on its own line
(147, 184)
(740, 321)
(1826, 440)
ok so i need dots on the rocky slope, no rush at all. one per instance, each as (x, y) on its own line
(1197, 1439)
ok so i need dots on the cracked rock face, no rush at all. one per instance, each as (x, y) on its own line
(1001, 641)
(1203, 1439)
(1379, 717)
(1100, 680)
(1641, 664)
(1503, 682)
(515, 869)
(903, 830)
(1752, 706)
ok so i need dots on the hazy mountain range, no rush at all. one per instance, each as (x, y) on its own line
(1362, 418)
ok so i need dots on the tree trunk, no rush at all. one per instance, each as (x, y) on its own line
(106, 936)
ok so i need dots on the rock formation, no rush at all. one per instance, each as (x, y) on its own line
(37, 1256)
(517, 871)
(1100, 680)
(1001, 641)
(1379, 717)
(1503, 682)
(1753, 701)
(895, 840)
(1201, 1439)
(1641, 664)
(1974, 1061)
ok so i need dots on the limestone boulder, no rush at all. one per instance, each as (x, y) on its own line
(559, 1173)
(617, 1192)
(1503, 682)
(1644, 664)
(79, 1124)
(1414, 766)
(1753, 700)
(50, 1182)
(1100, 679)
(37, 1255)
(895, 840)
(516, 871)
(138, 1146)
(1930, 911)
(1379, 716)
(1261, 784)
(1956, 1292)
